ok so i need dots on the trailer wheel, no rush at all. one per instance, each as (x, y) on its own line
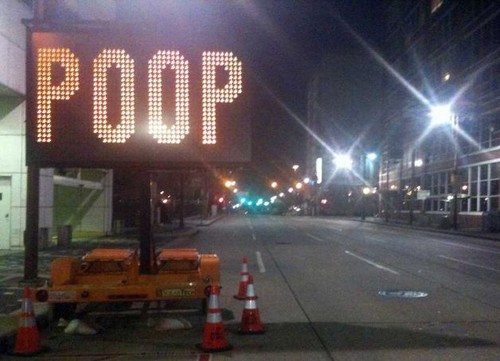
(63, 310)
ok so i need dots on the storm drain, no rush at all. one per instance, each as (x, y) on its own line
(403, 294)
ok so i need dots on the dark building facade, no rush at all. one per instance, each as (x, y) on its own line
(442, 52)
(344, 121)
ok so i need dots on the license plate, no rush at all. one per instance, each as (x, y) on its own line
(62, 296)
(176, 292)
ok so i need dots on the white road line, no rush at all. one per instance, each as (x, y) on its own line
(335, 228)
(375, 240)
(11, 276)
(468, 263)
(260, 262)
(480, 249)
(314, 237)
(379, 266)
(254, 237)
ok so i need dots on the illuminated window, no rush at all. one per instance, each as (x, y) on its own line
(157, 128)
(47, 91)
(126, 126)
(212, 95)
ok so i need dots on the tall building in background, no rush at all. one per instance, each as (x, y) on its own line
(442, 53)
(344, 122)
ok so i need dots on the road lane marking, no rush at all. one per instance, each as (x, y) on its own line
(368, 239)
(468, 263)
(254, 237)
(260, 262)
(372, 263)
(314, 237)
(480, 249)
(335, 228)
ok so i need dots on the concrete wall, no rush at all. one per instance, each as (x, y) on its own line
(13, 44)
(94, 215)
(12, 117)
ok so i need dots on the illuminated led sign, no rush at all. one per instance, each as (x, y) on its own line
(98, 99)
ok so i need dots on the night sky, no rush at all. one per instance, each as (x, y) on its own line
(281, 42)
(291, 40)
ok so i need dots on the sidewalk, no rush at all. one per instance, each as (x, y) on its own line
(12, 268)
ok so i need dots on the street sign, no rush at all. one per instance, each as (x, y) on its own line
(109, 98)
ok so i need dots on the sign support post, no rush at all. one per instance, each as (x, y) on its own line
(31, 232)
(145, 227)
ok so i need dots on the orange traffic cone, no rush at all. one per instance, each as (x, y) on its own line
(242, 290)
(214, 339)
(28, 337)
(250, 319)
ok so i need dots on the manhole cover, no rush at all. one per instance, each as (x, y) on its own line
(403, 294)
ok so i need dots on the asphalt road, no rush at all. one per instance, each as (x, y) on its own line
(329, 289)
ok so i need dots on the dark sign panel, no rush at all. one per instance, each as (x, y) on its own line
(107, 98)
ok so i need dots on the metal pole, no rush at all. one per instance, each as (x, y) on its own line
(363, 195)
(181, 211)
(145, 228)
(386, 213)
(455, 182)
(31, 232)
(412, 187)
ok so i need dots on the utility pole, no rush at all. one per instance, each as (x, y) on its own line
(455, 182)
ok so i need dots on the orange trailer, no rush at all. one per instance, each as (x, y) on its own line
(112, 275)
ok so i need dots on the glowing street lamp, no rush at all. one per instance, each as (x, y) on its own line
(274, 184)
(371, 156)
(441, 114)
(343, 161)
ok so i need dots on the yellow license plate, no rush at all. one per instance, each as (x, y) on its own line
(176, 292)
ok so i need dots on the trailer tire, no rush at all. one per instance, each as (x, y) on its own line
(63, 310)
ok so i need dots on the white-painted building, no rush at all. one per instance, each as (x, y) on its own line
(81, 198)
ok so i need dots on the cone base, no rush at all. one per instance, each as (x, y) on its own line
(29, 354)
(219, 349)
(252, 332)
(241, 298)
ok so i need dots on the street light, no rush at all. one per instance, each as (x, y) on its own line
(343, 161)
(441, 114)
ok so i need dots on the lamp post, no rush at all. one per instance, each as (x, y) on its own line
(367, 162)
(455, 177)
(412, 187)
(442, 114)
(366, 192)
